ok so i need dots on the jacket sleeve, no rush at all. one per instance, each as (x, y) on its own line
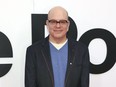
(30, 76)
(85, 70)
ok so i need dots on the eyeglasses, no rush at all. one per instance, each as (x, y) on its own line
(61, 22)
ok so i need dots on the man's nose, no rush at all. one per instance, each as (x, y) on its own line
(58, 24)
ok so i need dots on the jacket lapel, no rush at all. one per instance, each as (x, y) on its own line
(71, 57)
(46, 54)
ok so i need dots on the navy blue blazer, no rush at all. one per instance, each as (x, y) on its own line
(38, 68)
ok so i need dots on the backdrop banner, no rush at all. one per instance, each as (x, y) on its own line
(22, 23)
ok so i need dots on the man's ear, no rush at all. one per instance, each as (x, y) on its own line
(68, 25)
(46, 22)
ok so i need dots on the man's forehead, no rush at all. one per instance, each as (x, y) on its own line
(58, 12)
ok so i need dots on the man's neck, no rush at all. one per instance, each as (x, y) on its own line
(57, 40)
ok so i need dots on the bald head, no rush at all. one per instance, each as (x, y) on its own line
(58, 13)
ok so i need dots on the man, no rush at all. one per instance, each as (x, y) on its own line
(57, 61)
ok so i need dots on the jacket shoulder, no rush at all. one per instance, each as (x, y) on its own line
(37, 44)
(78, 44)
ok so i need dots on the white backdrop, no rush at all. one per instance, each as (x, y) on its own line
(15, 23)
